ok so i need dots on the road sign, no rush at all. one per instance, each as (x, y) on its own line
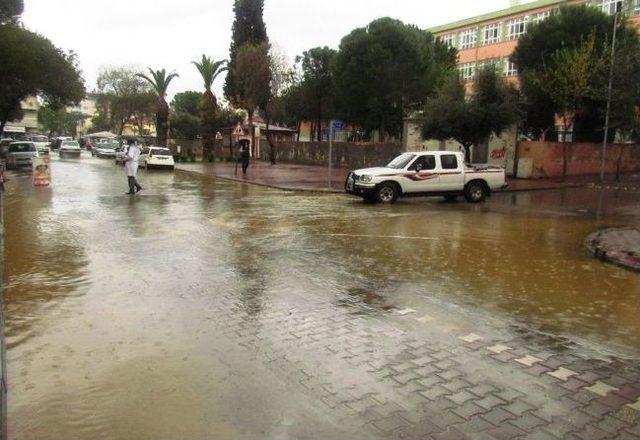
(338, 125)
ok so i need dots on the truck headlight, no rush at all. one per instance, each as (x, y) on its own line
(365, 179)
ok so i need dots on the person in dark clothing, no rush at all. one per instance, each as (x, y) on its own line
(245, 155)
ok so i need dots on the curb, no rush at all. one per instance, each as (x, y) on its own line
(620, 257)
(264, 185)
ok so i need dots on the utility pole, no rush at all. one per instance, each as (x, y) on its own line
(609, 92)
(330, 152)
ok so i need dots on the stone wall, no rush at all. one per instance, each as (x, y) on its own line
(546, 159)
(345, 154)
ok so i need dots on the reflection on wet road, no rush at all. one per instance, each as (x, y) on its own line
(108, 297)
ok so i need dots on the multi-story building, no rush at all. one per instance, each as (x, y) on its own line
(490, 39)
(29, 121)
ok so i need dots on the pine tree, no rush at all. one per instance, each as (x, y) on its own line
(248, 27)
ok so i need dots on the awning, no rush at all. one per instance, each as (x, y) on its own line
(14, 129)
(102, 134)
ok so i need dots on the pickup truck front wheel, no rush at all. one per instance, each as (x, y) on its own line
(475, 192)
(387, 193)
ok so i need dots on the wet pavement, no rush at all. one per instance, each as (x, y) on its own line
(203, 308)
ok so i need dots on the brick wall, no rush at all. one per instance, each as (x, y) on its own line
(546, 159)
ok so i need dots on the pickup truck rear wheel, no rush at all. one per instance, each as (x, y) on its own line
(475, 192)
(387, 193)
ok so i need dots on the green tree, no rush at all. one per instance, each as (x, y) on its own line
(318, 84)
(184, 117)
(123, 97)
(209, 70)
(186, 102)
(253, 80)
(470, 120)
(59, 121)
(160, 80)
(386, 70)
(10, 10)
(578, 37)
(22, 74)
(248, 28)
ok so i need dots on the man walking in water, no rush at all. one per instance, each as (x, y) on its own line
(131, 167)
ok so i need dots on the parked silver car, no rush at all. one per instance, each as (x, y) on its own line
(21, 154)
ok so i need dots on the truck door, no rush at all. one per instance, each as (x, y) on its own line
(451, 175)
(421, 175)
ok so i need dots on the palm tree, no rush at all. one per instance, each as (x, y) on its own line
(209, 69)
(160, 81)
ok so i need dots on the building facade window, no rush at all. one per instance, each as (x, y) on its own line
(468, 38)
(467, 71)
(510, 68)
(448, 39)
(492, 62)
(491, 34)
(541, 16)
(517, 27)
(610, 6)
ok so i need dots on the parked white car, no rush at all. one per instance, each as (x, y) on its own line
(69, 148)
(21, 154)
(426, 173)
(105, 150)
(156, 157)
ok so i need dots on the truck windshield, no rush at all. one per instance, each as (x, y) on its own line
(401, 161)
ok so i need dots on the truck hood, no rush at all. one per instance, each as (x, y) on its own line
(377, 171)
(23, 155)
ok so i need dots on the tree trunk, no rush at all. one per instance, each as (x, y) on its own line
(298, 134)
(467, 152)
(162, 126)
(272, 146)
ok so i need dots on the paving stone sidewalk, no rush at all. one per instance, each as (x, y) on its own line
(412, 374)
(316, 178)
(617, 245)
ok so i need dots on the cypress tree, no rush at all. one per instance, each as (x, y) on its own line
(248, 27)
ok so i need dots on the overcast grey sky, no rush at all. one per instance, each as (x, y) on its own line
(172, 33)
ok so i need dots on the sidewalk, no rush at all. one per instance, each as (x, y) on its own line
(315, 178)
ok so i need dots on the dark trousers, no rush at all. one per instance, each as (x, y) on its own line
(133, 185)
(245, 165)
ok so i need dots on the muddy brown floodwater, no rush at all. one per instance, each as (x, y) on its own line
(110, 326)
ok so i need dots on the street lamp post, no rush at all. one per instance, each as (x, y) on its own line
(609, 92)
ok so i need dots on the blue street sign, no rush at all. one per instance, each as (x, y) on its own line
(338, 125)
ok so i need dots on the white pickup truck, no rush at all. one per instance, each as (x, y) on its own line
(426, 173)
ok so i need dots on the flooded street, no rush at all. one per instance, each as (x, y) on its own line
(201, 308)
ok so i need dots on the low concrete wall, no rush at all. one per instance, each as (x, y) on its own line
(345, 154)
(546, 159)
